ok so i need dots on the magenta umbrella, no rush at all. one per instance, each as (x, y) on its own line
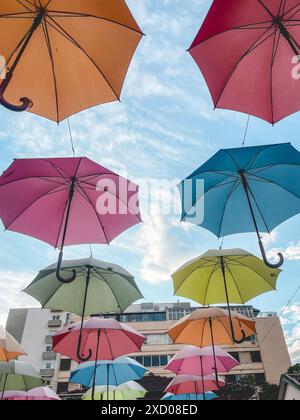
(67, 201)
(192, 360)
(106, 339)
(37, 394)
(191, 384)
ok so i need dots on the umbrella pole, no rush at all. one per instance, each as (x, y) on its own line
(79, 355)
(214, 350)
(261, 245)
(96, 362)
(108, 382)
(236, 341)
(202, 375)
(4, 386)
(26, 102)
(61, 254)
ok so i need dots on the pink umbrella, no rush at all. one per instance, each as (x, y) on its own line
(67, 201)
(105, 339)
(190, 384)
(192, 360)
(37, 394)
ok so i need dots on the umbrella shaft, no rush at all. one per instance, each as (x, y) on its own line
(4, 386)
(213, 346)
(71, 195)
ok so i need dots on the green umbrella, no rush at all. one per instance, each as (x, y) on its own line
(99, 288)
(126, 392)
(18, 376)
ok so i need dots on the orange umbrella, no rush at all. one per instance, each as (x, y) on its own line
(210, 327)
(64, 56)
(9, 348)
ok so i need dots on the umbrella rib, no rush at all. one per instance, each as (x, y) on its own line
(48, 43)
(253, 47)
(233, 190)
(274, 53)
(74, 42)
(64, 14)
(100, 277)
(27, 7)
(28, 207)
(109, 344)
(199, 267)
(239, 264)
(209, 280)
(33, 177)
(236, 285)
(20, 15)
(254, 159)
(259, 210)
(225, 328)
(265, 180)
(291, 10)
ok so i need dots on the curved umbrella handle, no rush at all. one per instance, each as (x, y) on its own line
(237, 341)
(26, 102)
(58, 270)
(79, 355)
(264, 255)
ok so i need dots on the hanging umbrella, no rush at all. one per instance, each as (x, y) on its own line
(191, 384)
(128, 391)
(62, 201)
(18, 376)
(210, 327)
(104, 339)
(246, 51)
(9, 348)
(65, 56)
(108, 372)
(225, 276)
(98, 287)
(249, 189)
(37, 394)
(190, 397)
(192, 360)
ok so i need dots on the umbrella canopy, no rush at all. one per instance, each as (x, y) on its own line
(82, 202)
(263, 36)
(37, 394)
(128, 391)
(242, 187)
(9, 348)
(192, 360)
(190, 397)
(18, 376)
(98, 287)
(209, 327)
(111, 338)
(191, 384)
(246, 277)
(65, 56)
(108, 372)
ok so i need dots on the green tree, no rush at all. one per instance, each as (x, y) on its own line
(294, 370)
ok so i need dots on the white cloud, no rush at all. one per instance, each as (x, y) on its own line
(291, 252)
(291, 324)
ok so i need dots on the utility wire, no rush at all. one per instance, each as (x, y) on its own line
(71, 137)
(246, 131)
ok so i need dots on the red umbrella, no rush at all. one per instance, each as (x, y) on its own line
(67, 201)
(245, 50)
(106, 339)
(190, 384)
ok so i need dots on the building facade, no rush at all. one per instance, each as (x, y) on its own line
(264, 356)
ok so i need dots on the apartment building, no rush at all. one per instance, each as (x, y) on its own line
(264, 356)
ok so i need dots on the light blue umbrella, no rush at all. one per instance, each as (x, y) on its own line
(108, 372)
(251, 189)
(190, 397)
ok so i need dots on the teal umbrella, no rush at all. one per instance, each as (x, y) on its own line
(99, 288)
(18, 376)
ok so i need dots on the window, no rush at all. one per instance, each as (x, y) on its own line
(143, 317)
(48, 348)
(62, 387)
(55, 317)
(260, 378)
(48, 366)
(158, 339)
(65, 365)
(153, 361)
(256, 357)
(236, 356)
(177, 314)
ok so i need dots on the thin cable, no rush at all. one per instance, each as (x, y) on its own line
(222, 243)
(71, 137)
(91, 251)
(246, 131)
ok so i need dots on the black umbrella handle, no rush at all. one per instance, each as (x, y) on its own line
(26, 103)
(58, 270)
(80, 357)
(264, 255)
(236, 340)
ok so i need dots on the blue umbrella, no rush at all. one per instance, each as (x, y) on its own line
(251, 189)
(108, 372)
(190, 397)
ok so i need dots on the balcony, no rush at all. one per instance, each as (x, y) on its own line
(48, 339)
(49, 356)
(55, 323)
(47, 373)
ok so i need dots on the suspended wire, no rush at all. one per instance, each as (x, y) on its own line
(222, 243)
(71, 137)
(91, 251)
(246, 131)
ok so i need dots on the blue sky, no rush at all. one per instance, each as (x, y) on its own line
(164, 128)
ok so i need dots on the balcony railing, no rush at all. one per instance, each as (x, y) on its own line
(49, 355)
(47, 373)
(55, 323)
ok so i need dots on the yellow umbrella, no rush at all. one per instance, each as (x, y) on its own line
(225, 276)
(9, 348)
(65, 56)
